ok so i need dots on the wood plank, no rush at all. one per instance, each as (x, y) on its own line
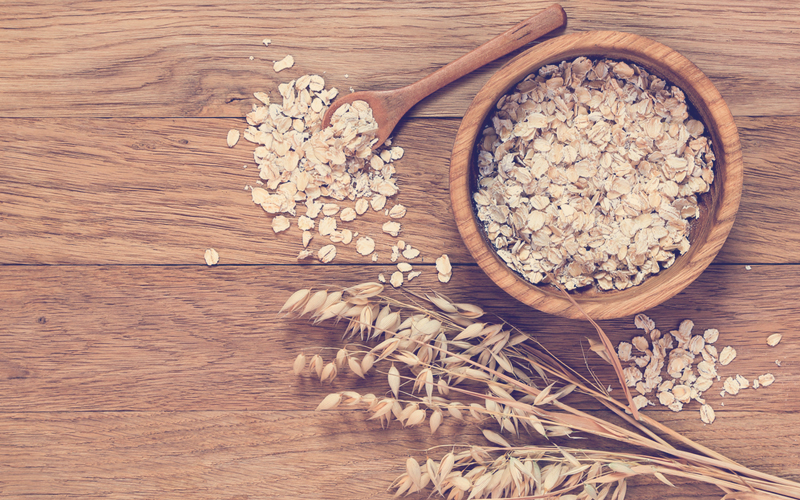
(289, 454)
(89, 338)
(108, 191)
(187, 58)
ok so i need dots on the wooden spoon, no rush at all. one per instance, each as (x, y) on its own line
(389, 106)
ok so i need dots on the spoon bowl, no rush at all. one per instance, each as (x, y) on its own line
(389, 106)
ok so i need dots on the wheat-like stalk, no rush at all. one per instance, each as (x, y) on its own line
(439, 361)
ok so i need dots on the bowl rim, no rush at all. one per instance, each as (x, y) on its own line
(664, 62)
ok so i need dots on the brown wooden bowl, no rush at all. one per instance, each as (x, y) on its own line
(717, 207)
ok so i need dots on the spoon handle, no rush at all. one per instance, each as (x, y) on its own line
(528, 30)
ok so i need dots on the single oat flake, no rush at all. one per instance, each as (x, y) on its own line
(727, 355)
(392, 228)
(211, 256)
(774, 339)
(365, 245)
(410, 253)
(326, 253)
(285, 63)
(397, 279)
(280, 223)
(707, 414)
(233, 137)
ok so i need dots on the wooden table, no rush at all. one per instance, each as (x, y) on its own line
(130, 369)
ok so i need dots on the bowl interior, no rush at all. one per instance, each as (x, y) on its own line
(717, 207)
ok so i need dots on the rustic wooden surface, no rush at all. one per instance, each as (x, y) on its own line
(129, 369)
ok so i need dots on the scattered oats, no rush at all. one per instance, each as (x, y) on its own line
(404, 267)
(641, 344)
(676, 406)
(413, 274)
(696, 344)
(774, 339)
(347, 215)
(381, 278)
(766, 380)
(233, 137)
(337, 237)
(727, 355)
(666, 398)
(747, 268)
(443, 265)
(397, 279)
(392, 228)
(731, 386)
(703, 384)
(330, 209)
(327, 226)
(361, 206)
(266, 42)
(624, 351)
(444, 268)
(304, 254)
(640, 402)
(251, 58)
(707, 414)
(263, 97)
(711, 335)
(711, 352)
(286, 62)
(706, 369)
(397, 212)
(410, 253)
(347, 236)
(778, 362)
(397, 152)
(313, 209)
(365, 246)
(305, 223)
(211, 256)
(743, 382)
(643, 322)
(666, 385)
(682, 393)
(395, 254)
(307, 235)
(401, 245)
(280, 223)
(378, 202)
(374, 257)
(326, 253)
(755, 383)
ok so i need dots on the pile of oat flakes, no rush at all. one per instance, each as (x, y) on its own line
(332, 172)
(589, 172)
(676, 353)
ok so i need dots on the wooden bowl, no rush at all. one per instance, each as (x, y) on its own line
(717, 207)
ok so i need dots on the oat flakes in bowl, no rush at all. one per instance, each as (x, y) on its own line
(613, 185)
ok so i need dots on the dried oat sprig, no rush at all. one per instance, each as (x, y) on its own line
(438, 352)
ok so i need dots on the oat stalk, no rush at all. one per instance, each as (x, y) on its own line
(440, 361)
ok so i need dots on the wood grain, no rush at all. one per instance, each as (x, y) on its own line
(279, 454)
(160, 191)
(130, 370)
(184, 58)
(91, 338)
